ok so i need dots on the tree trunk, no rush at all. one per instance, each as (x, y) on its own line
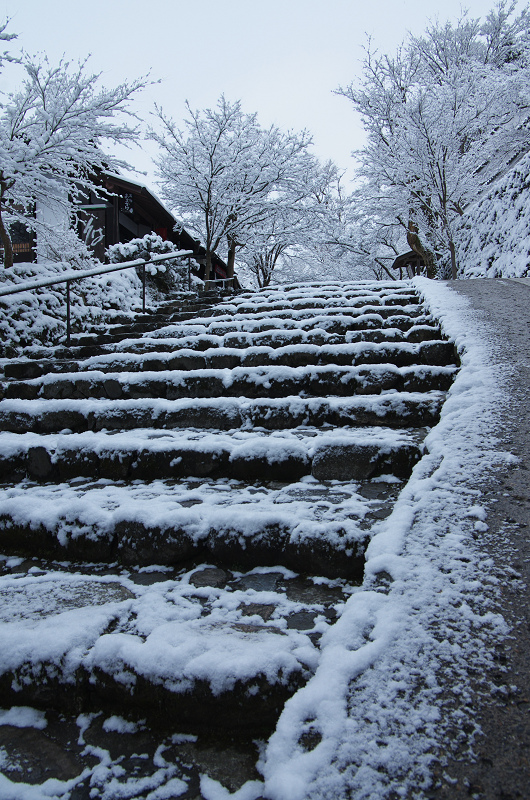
(414, 242)
(392, 277)
(231, 260)
(208, 266)
(6, 242)
(452, 249)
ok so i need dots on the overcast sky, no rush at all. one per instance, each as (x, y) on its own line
(281, 58)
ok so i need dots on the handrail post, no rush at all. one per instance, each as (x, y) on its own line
(91, 273)
(68, 326)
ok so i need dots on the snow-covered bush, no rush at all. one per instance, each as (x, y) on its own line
(494, 239)
(38, 317)
(171, 275)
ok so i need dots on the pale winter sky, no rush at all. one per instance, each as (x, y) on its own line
(281, 58)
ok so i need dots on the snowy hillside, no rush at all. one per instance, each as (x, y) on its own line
(495, 238)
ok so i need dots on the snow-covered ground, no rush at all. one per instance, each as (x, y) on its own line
(382, 695)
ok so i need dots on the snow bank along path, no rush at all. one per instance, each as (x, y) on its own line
(313, 599)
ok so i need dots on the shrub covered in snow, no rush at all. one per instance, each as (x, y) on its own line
(172, 275)
(38, 317)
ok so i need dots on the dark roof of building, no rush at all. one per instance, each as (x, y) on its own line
(156, 214)
(408, 259)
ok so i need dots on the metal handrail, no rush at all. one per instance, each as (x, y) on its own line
(78, 275)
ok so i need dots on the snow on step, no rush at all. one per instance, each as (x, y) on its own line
(394, 409)
(369, 328)
(232, 351)
(171, 648)
(340, 321)
(264, 381)
(318, 297)
(281, 337)
(253, 317)
(147, 454)
(311, 527)
(335, 316)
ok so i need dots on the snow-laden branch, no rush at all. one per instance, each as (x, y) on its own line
(52, 132)
(241, 187)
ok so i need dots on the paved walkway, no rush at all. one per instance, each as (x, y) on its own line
(502, 770)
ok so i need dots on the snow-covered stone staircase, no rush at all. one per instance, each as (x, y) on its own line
(184, 511)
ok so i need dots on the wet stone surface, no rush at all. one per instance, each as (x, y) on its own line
(110, 756)
(100, 753)
(209, 576)
(53, 597)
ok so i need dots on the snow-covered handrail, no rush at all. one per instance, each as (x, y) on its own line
(77, 275)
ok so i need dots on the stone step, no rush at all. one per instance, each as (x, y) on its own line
(275, 334)
(395, 410)
(143, 325)
(337, 292)
(206, 648)
(224, 352)
(123, 325)
(194, 337)
(257, 316)
(426, 351)
(170, 308)
(150, 455)
(339, 316)
(313, 305)
(334, 287)
(287, 342)
(341, 325)
(250, 382)
(310, 526)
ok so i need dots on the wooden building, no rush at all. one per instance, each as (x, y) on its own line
(121, 211)
(127, 210)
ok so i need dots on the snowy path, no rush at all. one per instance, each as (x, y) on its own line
(501, 768)
(393, 679)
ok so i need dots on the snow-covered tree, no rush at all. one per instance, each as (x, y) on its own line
(443, 117)
(297, 224)
(51, 135)
(225, 174)
(350, 240)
